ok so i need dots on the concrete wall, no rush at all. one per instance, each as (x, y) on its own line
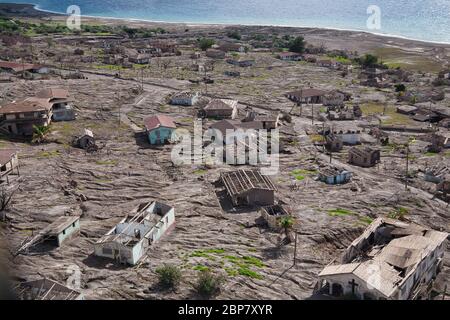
(68, 232)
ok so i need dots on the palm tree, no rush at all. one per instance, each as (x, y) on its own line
(40, 133)
(287, 223)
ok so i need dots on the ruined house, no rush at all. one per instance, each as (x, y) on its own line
(364, 157)
(62, 109)
(139, 58)
(273, 215)
(269, 121)
(215, 54)
(19, 67)
(221, 109)
(333, 143)
(391, 260)
(334, 99)
(249, 188)
(290, 56)
(313, 96)
(18, 118)
(129, 240)
(185, 98)
(349, 137)
(241, 63)
(9, 161)
(46, 289)
(62, 229)
(374, 77)
(334, 176)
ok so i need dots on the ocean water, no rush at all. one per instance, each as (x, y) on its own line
(427, 20)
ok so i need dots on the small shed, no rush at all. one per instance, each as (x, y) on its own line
(364, 157)
(334, 176)
(273, 214)
(333, 143)
(221, 109)
(249, 188)
(63, 228)
(86, 140)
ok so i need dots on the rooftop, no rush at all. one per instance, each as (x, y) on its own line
(237, 182)
(45, 289)
(6, 155)
(29, 105)
(155, 122)
(395, 250)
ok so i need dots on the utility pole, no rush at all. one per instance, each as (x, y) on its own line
(407, 166)
(295, 249)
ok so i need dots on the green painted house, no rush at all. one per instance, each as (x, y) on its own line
(160, 129)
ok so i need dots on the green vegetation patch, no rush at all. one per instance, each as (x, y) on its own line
(106, 162)
(340, 212)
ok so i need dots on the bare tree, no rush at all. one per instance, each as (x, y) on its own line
(5, 200)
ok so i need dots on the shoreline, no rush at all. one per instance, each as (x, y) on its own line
(48, 13)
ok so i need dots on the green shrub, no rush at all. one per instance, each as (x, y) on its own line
(208, 284)
(169, 276)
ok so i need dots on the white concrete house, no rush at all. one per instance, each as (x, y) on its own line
(391, 260)
(129, 240)
(185, 98)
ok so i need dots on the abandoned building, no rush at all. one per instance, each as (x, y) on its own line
(18, 67)
(232, 129)
(61, 103)
(334, 99)
(349, 137)
(46, 289)
(9, 161)
(328, 63)
(435, 174)
(221, 109)
(215, 54)
(185, 98)
(249, 188)
(334, 176)
(290, 56)
(333, 143)
(56, 233)
(227, 46)
(241, 63)
(18, 118)
(160, 129)
(139, 58)
(62, 229)
(129, 240)
(391, 260)
(273, 215)
(268, 121)
(443, 187)
(308, 96)
(364, 157)
(374, 77)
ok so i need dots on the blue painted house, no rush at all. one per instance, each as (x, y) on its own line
(334, 176)
(160, 129)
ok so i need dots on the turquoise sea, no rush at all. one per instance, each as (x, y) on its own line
(427, 20)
